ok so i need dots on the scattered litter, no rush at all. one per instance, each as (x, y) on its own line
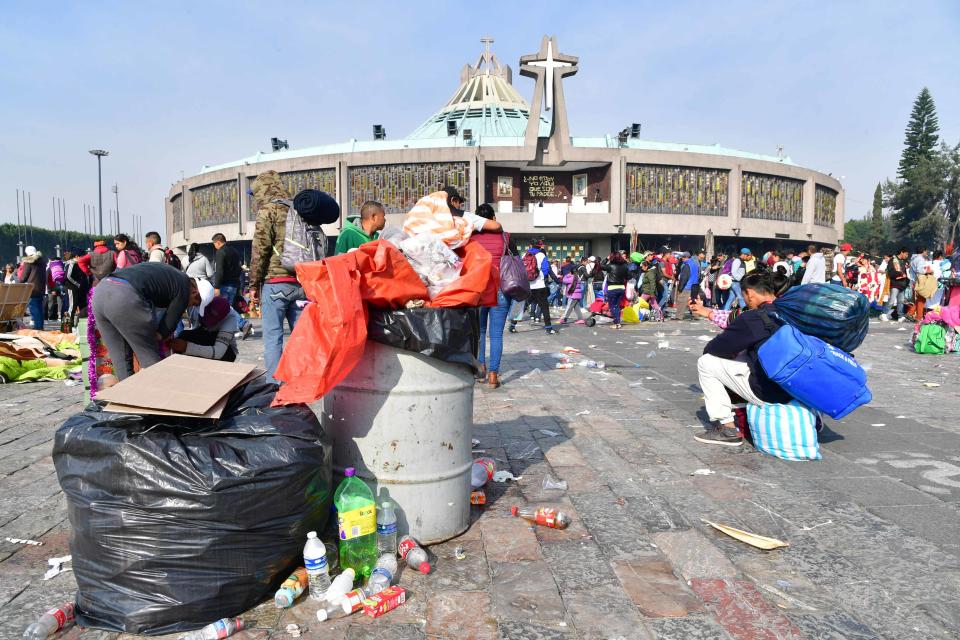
(585, 412)
(570, 350)
(534, 352)
(552, 484)
(504, 476)
(32, 543)
(474, 443)
(294, 630)
(702, 472)
(754, 540)
(878, 424)
(619, 341)
(564, 365)
(592, 346)
(621, 501)
(663, 344)
(56, 566)
(643, 343)
(458, 553)
(896, 346)
(530, 374)
(651, 377)
(659, 334)
(552, 434)
(529, 451)
(704, 338)
(635, 384)
(901, 417)
(478, 497)
(72, 383)
(652, 354)
(902, 329)
(931, 385)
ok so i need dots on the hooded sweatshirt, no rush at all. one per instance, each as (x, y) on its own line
(265, 263)
(35, 273)
(352, 236)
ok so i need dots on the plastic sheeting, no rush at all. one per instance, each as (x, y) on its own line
(178, 522)
(328, 339)
(835, 314)
(446, 334)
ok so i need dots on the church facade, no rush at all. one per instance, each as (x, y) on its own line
(582, 195)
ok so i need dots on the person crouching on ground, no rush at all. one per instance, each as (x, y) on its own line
(215, 337)
(730, 360)
(123, 307)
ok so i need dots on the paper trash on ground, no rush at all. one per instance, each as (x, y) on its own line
(760, 542)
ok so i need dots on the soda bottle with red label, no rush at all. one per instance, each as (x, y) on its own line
(544, 516)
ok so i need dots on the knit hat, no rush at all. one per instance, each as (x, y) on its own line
(30, 251)
(316, 207)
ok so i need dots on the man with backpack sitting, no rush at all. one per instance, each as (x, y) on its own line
(281, 228)
(731, 362)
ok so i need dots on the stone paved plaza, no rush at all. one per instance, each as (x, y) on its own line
(873, 528)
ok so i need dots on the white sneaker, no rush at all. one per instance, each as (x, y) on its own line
(901, 319)
(884, 317)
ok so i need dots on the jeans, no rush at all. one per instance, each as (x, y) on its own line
(229, 292)
(36, 311)
(556, 294)
(497, 317)
(665, 296)
(735, 293)
(895, 295)
(278, 301)
(614, 300)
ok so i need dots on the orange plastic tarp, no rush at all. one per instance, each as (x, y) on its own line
(328, 339)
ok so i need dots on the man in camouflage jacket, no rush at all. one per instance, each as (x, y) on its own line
(280, 290)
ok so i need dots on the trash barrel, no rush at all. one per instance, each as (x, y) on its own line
(403, 421)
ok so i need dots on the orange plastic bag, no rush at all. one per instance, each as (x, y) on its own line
(477, 284)
(328, 339)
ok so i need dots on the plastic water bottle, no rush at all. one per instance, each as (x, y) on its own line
(52, 621)
(330, 611)
(315, 557)
(414, 556)
(357, 520)
(386, 529)
(383, 574)
(222, 628)
(291, 589)
(341, 585)
(481, 471)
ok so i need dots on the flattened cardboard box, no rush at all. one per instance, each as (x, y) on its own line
(180, 384)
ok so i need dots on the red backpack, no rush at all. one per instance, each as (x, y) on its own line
(530, 266)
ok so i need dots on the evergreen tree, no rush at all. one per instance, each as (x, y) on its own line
(922, 134)
(878, 205)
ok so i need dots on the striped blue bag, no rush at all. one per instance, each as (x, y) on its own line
(787, 431)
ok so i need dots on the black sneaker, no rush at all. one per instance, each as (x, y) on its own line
(726, 437)
(513, 327)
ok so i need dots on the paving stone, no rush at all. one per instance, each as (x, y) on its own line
(385, 631)
(513, 630)
(565, 455)
(464, 615)
(526, 591)
(832, 626)
(689, 628)
(611, 525)
(692, 555)
(945, 613)
(742, 611)
(653, 587)
(652, 513)
(605, 613)
(580, 479)
(509, 540)
(578, 565)
(468, 574)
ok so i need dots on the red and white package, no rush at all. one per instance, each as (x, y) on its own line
(387, 600)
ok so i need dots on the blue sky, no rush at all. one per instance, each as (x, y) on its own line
(168, 87)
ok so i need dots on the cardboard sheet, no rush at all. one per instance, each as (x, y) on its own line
(180, 383)
(212, 414)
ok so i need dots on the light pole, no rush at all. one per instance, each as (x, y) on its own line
(100, 153)
(116, 195)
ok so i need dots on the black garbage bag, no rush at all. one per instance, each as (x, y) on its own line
(835, 314)
(446, 334)
(178, 522)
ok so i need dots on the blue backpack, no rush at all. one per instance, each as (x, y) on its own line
(817, 374)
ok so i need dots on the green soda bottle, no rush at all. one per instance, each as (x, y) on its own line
(357, 520)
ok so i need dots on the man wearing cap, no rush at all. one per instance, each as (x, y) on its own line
(816, 270)
(125, 304)
(737, 271)
(33, 271)
(840, 265)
